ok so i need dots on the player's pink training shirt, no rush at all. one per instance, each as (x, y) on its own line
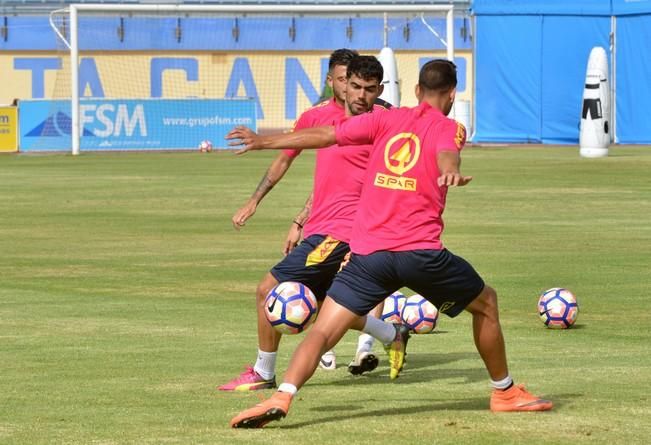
(401, 205)
(338, 176)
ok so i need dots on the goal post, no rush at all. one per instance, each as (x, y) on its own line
(78, 15)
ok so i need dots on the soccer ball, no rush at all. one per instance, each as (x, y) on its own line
(290, 307)
(419, 314)
(558, 308)
(205, 146)
(392, 310)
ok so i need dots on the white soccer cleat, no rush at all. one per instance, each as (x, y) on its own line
(328, 361)
(365, 361)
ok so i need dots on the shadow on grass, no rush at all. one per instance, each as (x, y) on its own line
(560, 400)
(472, 404)
(345, 414)
(420, 367)
(419, 360)
(579, 326)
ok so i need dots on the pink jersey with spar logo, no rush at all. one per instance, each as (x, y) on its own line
(338, 176)
(401, 205)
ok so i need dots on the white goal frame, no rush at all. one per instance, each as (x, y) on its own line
(74, 10)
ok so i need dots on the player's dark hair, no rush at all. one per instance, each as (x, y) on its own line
(365, 67)
(438, 75)
(341, 56)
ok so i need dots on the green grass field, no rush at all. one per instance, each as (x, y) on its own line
(126, 297)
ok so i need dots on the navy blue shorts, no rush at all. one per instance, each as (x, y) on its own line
(448, 281)
(314, 263)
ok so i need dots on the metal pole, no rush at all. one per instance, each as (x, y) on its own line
(74, 79)
(386, 30)
(613, 78)
(449, 21)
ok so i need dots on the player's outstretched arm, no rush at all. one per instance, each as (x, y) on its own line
(449, 163)
(296, 229)
(245, 139)
(273, 175)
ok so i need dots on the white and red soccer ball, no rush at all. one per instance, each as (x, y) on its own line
(419, 314)
(558, 308)
(392, 311)
(290, 307)
(205, 146)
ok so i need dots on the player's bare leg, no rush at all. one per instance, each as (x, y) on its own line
(328, 360)
(488, 333)
(331, 325)
(490, 344)
(377, 310)
(262, 374)
(268, 337)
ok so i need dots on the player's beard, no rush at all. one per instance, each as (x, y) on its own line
(359, 109)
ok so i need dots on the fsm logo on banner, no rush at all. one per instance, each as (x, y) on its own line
(151, 124)
(114, 119)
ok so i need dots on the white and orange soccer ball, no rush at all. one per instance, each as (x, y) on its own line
(558, 308)
(419, 314)
(290, 307)
(205, 146)
(393, 304)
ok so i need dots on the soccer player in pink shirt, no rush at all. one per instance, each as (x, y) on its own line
(396, 238)
(338, 178)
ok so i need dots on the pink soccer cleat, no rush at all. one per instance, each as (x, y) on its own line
(249, 380)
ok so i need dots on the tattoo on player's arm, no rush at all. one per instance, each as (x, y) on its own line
(303, 216)
(263, 187)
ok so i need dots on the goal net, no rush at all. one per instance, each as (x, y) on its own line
(155, 77)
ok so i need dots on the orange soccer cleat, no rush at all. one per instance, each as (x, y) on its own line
(274, 408)
(516, 398)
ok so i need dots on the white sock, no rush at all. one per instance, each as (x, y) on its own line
(365, 343)
(504, 383)
(288, 387)
(385, 332)
(265, 366)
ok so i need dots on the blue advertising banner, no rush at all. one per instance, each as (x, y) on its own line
(147, 124)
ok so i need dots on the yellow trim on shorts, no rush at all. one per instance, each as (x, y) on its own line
(322, 251)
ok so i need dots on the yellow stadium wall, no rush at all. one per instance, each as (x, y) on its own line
(131, 75)
(8, 129)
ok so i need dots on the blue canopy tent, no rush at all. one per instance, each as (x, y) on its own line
(530, 61)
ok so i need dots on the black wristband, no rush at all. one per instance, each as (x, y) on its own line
(298, 224)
